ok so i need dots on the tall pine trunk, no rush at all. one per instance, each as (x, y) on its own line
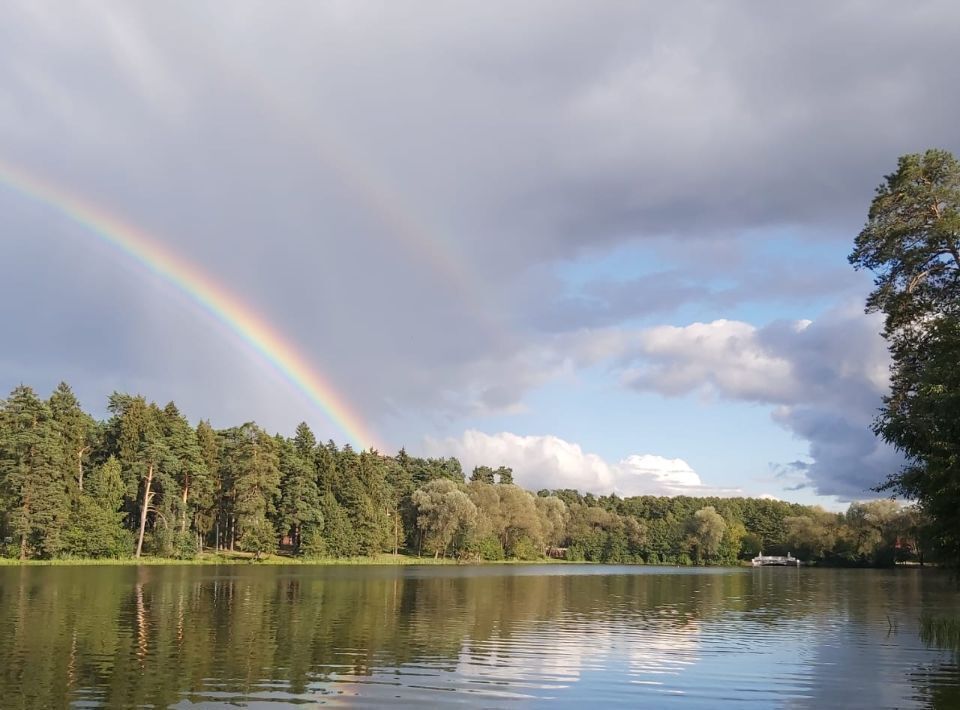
(80, 469)
(183, 515)
(23, 535)
(143, 510)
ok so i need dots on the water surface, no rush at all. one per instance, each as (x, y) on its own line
(516, 636)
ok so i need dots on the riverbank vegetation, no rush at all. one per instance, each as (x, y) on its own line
(145, 482)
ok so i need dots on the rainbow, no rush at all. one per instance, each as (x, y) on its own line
(199, 287)
(375, 192)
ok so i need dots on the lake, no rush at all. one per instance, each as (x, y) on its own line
(495, 635)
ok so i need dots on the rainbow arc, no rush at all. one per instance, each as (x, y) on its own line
(201, 288)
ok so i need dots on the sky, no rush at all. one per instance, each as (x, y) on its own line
(601, 243)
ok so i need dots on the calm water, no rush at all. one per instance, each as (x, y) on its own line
(482, 636)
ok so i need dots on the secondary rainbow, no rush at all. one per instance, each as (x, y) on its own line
(200, 287)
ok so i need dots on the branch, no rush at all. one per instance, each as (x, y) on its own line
(915, 281)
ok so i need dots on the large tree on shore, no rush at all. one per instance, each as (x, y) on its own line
(911, 242)
(299, 513)
(707, 527)
(32, 480)
(255, 471)
(76, 431)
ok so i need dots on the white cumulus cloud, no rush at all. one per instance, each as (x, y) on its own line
(551, 462)
(825, 380)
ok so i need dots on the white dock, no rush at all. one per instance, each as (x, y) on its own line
(775, 561)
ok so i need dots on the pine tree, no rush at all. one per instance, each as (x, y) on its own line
(76, 431)
(304, 441)
(207, 490)
(299, 513)
(339, 536)
(96, 527)
(505, 475)
(190, 472)
(145, 458)
(31, 475)
(256, 476)
(482, 474)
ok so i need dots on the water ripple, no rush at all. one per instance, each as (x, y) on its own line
(488, 636)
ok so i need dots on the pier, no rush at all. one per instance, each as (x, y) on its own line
(775, 561)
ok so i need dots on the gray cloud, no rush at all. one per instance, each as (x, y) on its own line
(393, 184)
(605, 303)
(602, 303)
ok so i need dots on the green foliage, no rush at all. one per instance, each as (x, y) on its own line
(504, 475)
(76, 432)
(489, 548)
(526, 549)
(553, 516)
(253, 466)
(32, 477)
(911, 242)
(313, 543)
(707, 528)
(299, 512)
(519, 521)
(96, 531)
(96, 526)
(152, 481)
(482, 474)
(207, 489)
(445, 512)
(340, 538)
(729, 550)
(751, 545)
(257, 535)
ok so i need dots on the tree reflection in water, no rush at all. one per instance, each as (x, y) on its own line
(159, 636)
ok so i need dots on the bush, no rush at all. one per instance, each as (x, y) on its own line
(488, 548)
(258, 536)
(8, 548)
(96, 532)
(313, 544)
(524, 549)
(185, 545)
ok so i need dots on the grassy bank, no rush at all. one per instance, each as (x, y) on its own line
(238, 558)
(233, 558)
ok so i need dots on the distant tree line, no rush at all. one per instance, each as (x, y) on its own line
(148, 482)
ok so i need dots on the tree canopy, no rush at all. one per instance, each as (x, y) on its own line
(147, 482)
(911, 242)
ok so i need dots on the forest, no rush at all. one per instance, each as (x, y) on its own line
(148, 482)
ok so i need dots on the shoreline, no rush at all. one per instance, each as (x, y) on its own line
(383, 560)
(232, 559)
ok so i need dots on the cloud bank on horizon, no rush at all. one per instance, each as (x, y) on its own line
(552, 463)
(525, 232)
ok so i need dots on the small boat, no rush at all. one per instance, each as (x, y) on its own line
(775, 561)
